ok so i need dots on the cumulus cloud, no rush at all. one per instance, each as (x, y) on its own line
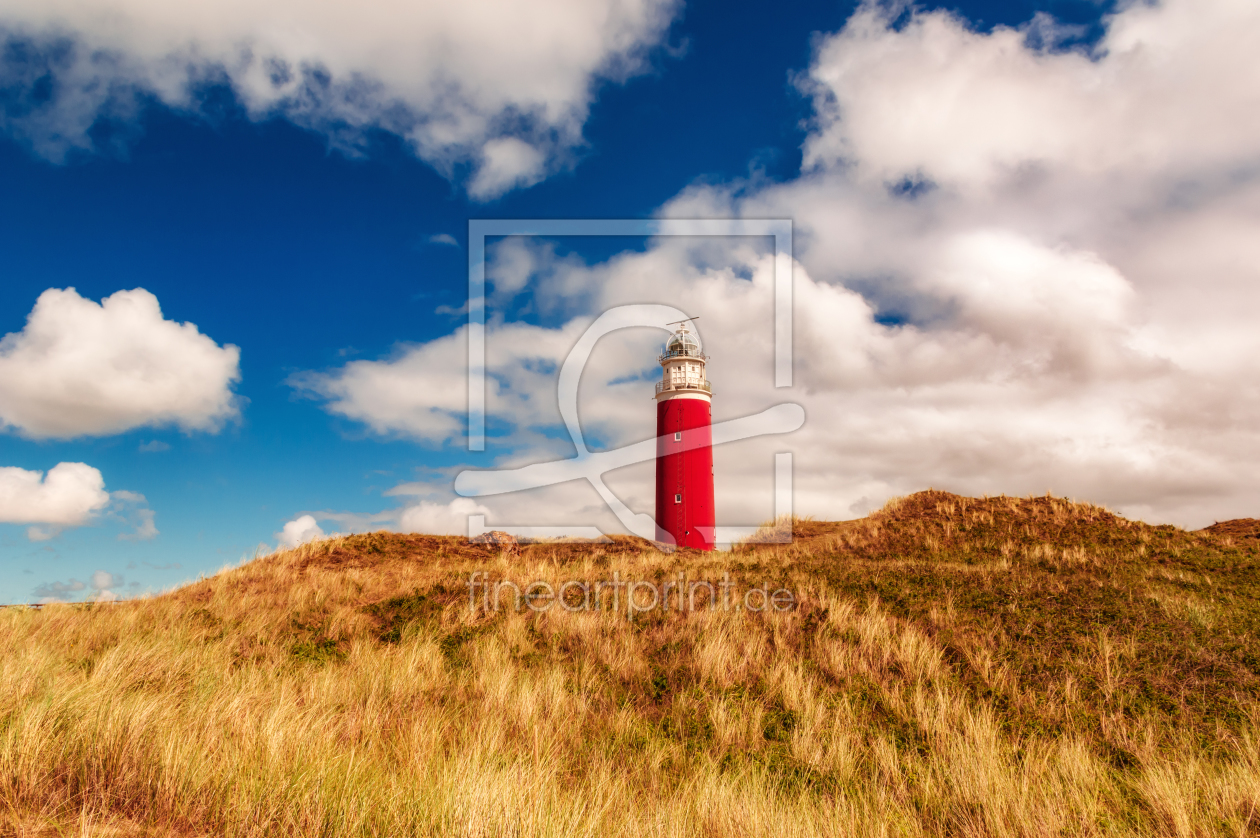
(82, 368)
(506, 162)
(437, 518)
(380, 393)
(103, 583)
(1019, 269)
(501, 88)
(1169, 89)
(300, 530)
(67, 496)
(422, 391)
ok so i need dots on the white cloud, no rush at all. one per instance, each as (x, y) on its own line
(131, 508)
(502, 86)
(443, 238)
(428, 515)
(506, 163)
(82, 368)
(1020, 271)
(422, 392)
(105, 585)
(300, 530)
(1171, 88)
(382, 394)
(67, 496)
(145, 527)
(440, 518)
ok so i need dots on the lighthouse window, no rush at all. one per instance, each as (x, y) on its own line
(677, 498)
(677, 436)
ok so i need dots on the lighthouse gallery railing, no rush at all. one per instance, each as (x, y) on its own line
(681, 353)
(662, 386)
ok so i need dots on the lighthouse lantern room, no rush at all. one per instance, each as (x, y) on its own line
(684, 444)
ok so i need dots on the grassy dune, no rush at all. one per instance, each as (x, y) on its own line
(953, 666)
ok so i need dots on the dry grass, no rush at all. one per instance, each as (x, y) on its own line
(955, 666)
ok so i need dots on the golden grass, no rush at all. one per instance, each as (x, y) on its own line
(346, 688)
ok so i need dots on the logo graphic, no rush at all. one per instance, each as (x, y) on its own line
(592, 465)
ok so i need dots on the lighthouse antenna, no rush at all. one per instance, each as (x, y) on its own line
(687, 320)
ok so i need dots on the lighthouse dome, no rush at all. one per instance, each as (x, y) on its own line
(682, 343)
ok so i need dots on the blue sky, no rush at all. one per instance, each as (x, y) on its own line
(315, 237)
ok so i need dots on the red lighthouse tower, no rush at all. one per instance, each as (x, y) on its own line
(684, 445)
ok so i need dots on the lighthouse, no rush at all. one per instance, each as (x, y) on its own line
(684, 444)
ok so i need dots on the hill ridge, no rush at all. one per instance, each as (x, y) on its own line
(949, 665)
